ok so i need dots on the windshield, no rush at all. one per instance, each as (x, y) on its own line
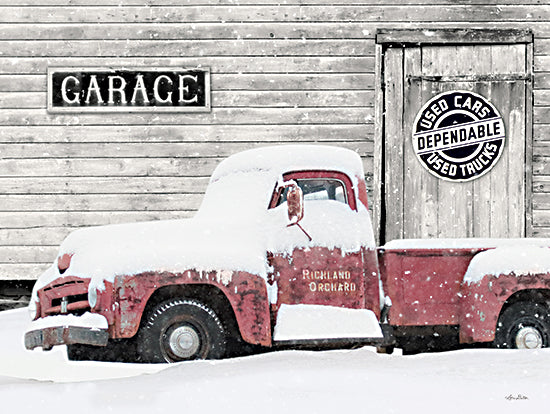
(318, 189)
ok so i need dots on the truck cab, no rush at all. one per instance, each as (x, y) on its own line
(244, 267)
(336, 268)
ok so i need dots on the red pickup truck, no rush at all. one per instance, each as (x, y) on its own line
(282, 253)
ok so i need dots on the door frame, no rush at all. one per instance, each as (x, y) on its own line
(419, 37)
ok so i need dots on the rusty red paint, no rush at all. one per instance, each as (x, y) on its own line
(51, 294)
(252, 310)
(106, 305)
(424, 284)
(247, 295)
(482, 303)
(320, 276)
(76, 289)
(371, 280)
(427, 288)
(63, 262)
(362, 192)
(294, 200)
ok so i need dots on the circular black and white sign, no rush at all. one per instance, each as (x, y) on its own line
(458, 136)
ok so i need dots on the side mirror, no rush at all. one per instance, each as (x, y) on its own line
(295, 205)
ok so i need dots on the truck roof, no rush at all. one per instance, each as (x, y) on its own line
(283, 158)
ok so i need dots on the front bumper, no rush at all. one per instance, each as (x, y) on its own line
(65, 335)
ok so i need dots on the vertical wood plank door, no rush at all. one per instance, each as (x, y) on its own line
(417, 202)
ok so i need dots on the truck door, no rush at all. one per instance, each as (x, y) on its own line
(324, 277)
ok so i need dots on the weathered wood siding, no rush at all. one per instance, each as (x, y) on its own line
(419, 204)
(280, 73)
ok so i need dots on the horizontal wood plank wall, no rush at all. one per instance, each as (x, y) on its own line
(299, 72)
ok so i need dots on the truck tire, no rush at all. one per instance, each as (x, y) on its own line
(180, 330)
(524, 325)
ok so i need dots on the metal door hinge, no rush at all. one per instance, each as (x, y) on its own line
(512, 77)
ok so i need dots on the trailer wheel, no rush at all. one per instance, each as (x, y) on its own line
(180, 330)
(524, 325)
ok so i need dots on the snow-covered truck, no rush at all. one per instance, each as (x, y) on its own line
(282, 253)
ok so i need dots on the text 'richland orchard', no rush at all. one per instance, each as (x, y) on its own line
(329, 281)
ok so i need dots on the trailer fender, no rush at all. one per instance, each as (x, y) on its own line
(482, 302)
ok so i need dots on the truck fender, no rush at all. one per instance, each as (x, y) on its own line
(483, 301)
(245, 292)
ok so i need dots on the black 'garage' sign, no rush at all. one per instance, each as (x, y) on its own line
(128, 90)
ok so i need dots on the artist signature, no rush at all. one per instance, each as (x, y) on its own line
(517, 397)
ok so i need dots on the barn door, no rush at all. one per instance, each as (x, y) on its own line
(455, 141)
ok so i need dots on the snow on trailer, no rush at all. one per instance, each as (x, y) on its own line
(491, 290)
(282, 252)
(531, 257)
(519, 257)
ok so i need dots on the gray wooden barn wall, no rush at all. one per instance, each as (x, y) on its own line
(299, 72)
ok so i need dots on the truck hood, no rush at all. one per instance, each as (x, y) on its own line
(102, 253)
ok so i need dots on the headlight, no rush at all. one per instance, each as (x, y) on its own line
(33, 309)
(92, 296)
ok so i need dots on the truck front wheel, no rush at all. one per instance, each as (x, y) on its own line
(524, 325)
(180, 330)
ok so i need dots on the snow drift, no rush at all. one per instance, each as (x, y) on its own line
(295, 382)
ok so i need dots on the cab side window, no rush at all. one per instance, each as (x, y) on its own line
(319, 189)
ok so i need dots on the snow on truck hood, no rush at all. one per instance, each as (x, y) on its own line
(164, 246)
(232, 229)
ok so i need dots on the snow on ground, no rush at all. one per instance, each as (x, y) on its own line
(341, 381)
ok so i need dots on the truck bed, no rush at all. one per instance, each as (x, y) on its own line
(424, 281)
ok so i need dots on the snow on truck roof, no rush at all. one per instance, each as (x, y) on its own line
(283, 158)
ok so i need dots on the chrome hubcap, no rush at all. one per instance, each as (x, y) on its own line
(184, 342)
(528, 338)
